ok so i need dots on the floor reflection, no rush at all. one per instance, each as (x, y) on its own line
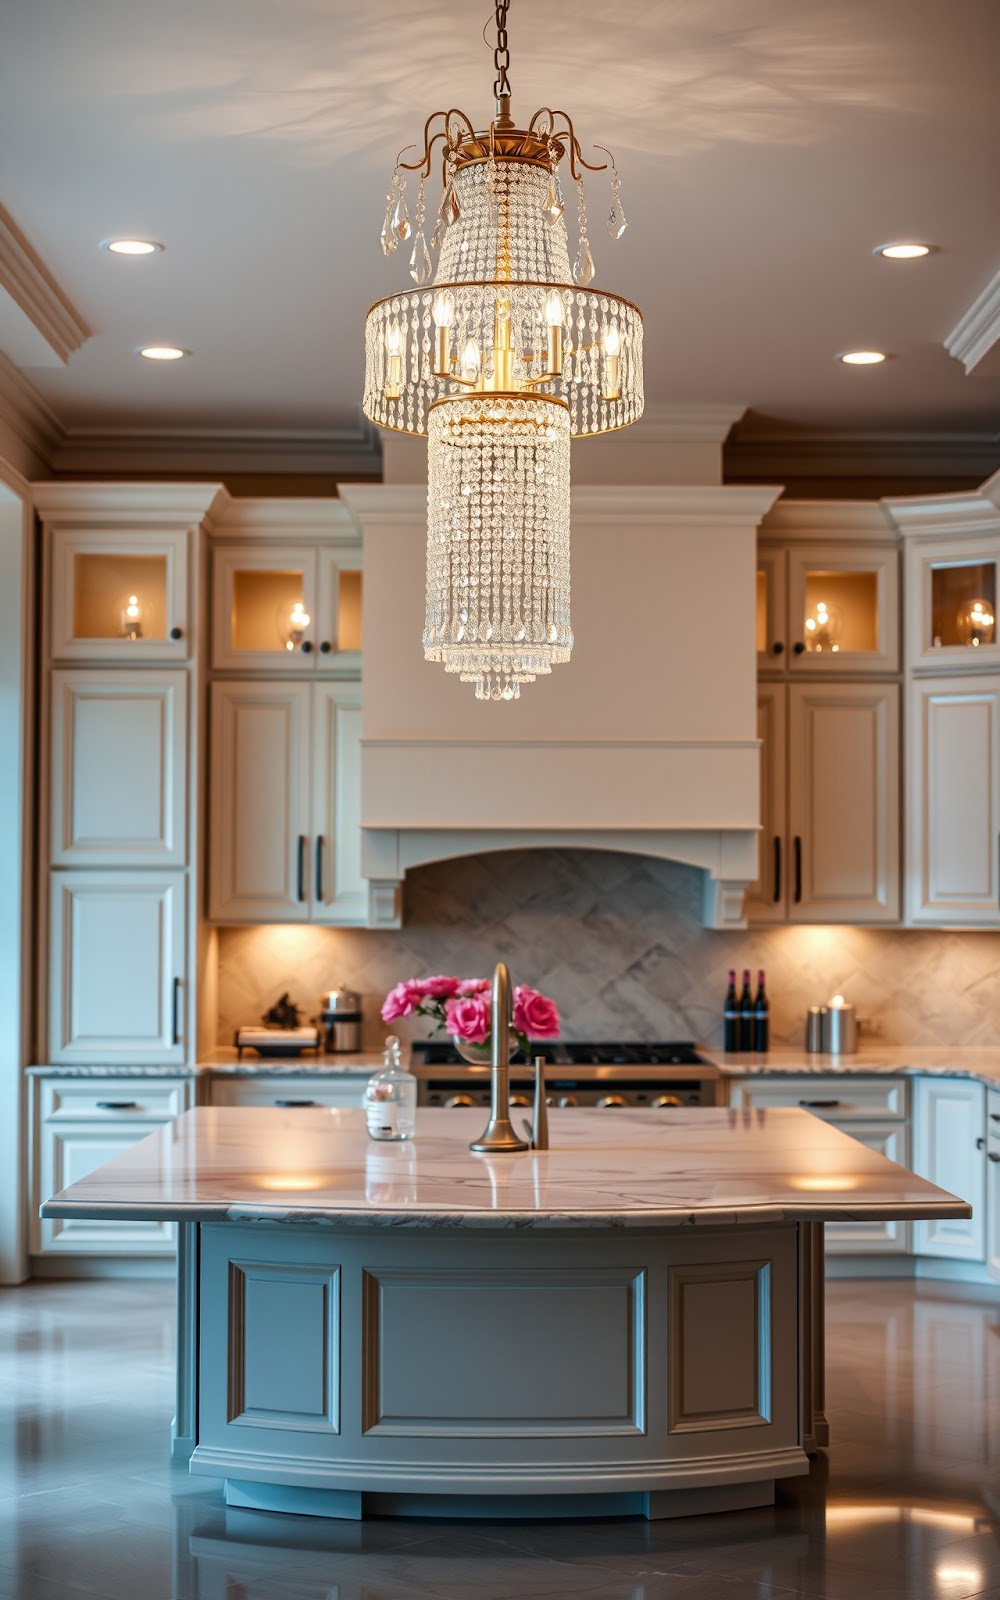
(905, 1504)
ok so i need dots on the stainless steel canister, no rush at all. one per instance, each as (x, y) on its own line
(342, 1018)
(841, 1030)
(816, 1031)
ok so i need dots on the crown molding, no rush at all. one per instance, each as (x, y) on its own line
(62, 503)
(26, 413)
(975, 335)
(353, 451)
(24, 276)
(774, 452)
(695, 423)
(820, 521)
(287, 519)
(697, 507)
(936, 516)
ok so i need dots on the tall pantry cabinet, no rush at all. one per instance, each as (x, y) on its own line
(120, 829)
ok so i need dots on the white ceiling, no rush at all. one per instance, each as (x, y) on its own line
(766, 147)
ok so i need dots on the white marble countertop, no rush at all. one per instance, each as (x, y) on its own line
(699, 1166)
(961, 1061)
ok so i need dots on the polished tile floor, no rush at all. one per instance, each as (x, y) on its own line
(906, 1503)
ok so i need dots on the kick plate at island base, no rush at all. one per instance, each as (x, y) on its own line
(501, 1373)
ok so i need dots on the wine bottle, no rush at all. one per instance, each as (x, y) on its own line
(746, 1013)
(761, 1016)
(731, 1024)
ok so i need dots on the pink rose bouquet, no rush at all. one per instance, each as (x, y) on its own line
(464, 1007)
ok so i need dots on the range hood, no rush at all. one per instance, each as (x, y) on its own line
(645, 742)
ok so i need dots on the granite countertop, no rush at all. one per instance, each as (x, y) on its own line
(224, 1064)
(318, 1167)
(871, 1060)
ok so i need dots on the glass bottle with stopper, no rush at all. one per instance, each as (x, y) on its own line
(391, 1097)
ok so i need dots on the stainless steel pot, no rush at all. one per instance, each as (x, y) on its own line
(341, 1015)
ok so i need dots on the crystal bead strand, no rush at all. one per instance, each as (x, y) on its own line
(583, 266)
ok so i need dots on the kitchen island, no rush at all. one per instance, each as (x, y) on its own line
(628, 1322)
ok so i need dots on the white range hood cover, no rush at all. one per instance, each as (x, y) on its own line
(645, 742)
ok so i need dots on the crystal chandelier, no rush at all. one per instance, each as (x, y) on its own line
(501, 358)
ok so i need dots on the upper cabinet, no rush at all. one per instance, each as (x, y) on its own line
(827, 590)
(287, 597)
(952, 593)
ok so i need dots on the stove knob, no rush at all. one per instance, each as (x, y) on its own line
(459, 1100)
(667, 1100)
(612, 1100)
(568, 1100)
(519, 1100)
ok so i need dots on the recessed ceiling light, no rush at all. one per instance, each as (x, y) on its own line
(162, 352)
(903, 252)
(131, 247)
(862, 358)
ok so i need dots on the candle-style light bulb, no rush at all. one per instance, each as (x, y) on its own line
(443, 312)
(131, 618)
(394, 347)
(612, 347)
(471, 359)
(298, 621)
(554, 316)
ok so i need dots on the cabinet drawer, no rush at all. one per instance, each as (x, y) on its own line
(288, 1092)
(68, 1152)
(113, 1099)
(834, 1098)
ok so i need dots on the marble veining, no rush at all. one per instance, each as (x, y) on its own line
(697, 1166)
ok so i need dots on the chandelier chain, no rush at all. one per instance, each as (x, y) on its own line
(501, 55)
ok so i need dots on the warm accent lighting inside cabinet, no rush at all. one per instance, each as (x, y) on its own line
(823, 629)
(976, 623)
(298, 621)
(131, 618)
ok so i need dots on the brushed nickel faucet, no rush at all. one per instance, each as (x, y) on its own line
(499, 1135)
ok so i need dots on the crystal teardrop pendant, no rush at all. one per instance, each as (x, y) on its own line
(436, 235)
(583, 266)
(552, 205)
(450, 210)
(617, 220)
(401, 219)
(388, 236)
(420, 261)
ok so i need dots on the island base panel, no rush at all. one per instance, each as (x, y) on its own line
(440, 1369)
(345, 1506)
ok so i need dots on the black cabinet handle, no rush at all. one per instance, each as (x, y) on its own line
(176, 1012)
(295, 1102)
(797, 841)
(117, 1105)
(302, 867)
(319, 867)
(177, 633)
(991, 1155)
(325, 647)
(820, 1105)
(306, 647)
(777, 649)
(995, 1116)
(980, 1144)
(799, 647)
(777, 869)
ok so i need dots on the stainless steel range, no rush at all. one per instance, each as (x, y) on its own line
(606, 1075)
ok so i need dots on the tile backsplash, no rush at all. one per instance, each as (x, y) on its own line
(617, 941)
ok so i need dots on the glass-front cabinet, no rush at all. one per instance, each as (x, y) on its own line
(286, 608)
(829, 609)
(119, 597)
(953, 589)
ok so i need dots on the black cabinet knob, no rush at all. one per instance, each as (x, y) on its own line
(799, 647)
(177, 633)
(777, 648)
(325, 647)
(306, 647)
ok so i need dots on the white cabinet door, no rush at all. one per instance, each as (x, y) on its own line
(117, 967)
(949, 581)
(259, 593)
(767, 898)
(953, 801)
(259, 855)
(844, 802)
(843, 609)
(118, 769)
(339, 892)
(949, 1117)
(339, 582)
(993, 1183)
(772, 618)
(880, 1237)
(93, 579)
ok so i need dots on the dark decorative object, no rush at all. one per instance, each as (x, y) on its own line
(282, 1014)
